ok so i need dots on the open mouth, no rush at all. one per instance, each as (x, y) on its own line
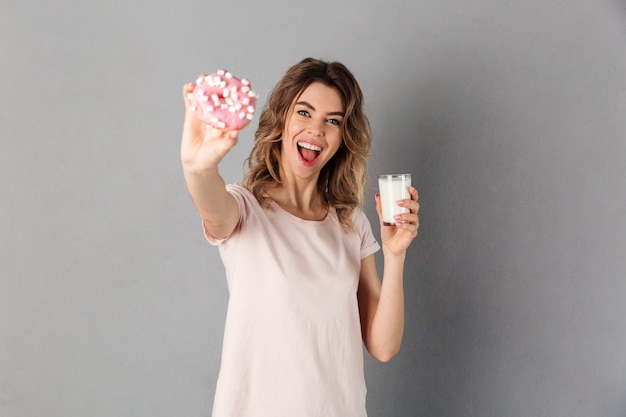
(308, 152)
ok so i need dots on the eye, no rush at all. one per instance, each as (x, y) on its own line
(334, 122)
(303, 113)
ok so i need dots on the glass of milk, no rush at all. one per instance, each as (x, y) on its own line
(393, 187)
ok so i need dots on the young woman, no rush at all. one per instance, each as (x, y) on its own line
(304, 292)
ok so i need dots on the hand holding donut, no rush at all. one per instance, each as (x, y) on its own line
(397, 239)
(217, 107)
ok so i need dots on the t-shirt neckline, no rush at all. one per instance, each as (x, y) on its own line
(300, 219)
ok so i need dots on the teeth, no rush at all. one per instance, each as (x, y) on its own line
(309, 146)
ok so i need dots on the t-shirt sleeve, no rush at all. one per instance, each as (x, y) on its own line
(241, 197)
(369, 245)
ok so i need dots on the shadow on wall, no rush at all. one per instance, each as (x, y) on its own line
(514, 288)
(509, 311)
(454, 271)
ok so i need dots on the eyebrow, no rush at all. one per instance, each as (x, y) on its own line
(332, 113)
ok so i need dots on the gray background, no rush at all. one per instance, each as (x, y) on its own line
(510, 115)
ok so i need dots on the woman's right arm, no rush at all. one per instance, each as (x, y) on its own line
(202, 149)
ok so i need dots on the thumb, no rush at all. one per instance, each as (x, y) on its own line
(379, 208)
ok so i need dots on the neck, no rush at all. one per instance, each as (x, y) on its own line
(300, 198)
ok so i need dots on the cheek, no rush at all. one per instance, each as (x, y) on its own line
(291, 128)
(338, 140)
(337, 144)
(288, 130)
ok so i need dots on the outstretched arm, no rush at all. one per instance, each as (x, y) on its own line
(202, 149)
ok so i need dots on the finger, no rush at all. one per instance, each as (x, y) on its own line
(413, 193)
(213, 133)
(406, 218)
(230, 139)
(412, 205)
(189, 109)
(187, 89)
(410, 225)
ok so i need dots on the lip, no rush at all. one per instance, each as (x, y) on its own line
(310, 142)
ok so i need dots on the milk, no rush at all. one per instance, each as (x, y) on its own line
(393, 187)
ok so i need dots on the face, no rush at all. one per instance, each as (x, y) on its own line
(313, 131)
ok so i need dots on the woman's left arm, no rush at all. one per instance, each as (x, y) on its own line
(381, 306)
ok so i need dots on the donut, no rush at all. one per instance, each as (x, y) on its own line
(223, 100)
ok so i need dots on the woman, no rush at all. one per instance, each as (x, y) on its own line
(298, 251)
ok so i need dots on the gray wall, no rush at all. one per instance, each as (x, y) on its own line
(510, 115)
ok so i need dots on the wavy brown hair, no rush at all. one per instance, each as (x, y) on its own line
(342, 180)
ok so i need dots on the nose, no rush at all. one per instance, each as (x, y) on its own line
(316, 128)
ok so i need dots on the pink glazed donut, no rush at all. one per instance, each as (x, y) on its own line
(223, 100)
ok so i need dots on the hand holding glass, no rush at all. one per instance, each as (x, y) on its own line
(393, 187)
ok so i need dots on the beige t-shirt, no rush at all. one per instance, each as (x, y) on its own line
(292, 341)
